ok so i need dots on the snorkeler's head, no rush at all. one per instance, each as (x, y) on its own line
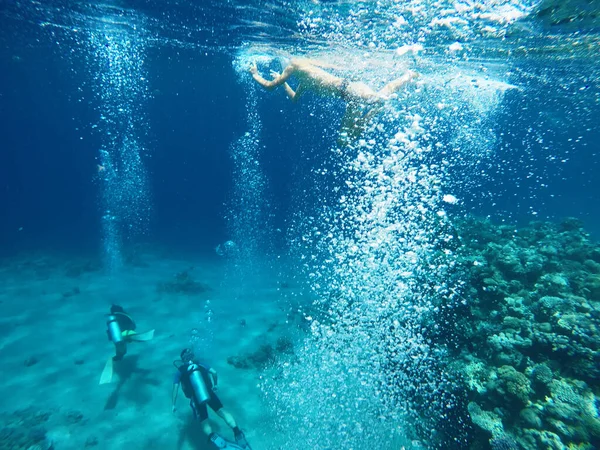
(187, 355)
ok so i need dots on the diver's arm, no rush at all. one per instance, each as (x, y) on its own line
(277, 81)
(213, 376)
(174, 395)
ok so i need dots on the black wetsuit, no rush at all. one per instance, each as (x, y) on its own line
(200, 411)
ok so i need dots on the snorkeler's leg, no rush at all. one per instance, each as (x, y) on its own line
(396, 84)
(353, 124)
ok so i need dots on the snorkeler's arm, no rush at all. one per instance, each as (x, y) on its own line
(277, 81)
(396, 84)
(292, 95)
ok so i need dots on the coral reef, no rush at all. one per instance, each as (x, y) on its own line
(529, 357)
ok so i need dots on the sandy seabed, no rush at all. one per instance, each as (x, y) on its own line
(54, 347)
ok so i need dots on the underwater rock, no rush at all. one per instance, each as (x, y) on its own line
(71, 293)
(239, 362)
(542, 374)
(228, 249)
(507, 260)
(592, 285)
(284, 345)
(546, 307)
(531, 418)
(31, 361)
(570, 224)
(552, 284)
(486, 420)
(182, 283)
(503, 443)
(592, 265)
(476, 375)
(258, 359)
(543, 439)
(74, 417)
(78, 268)
(24, 430)
(265, 355)
(91, 441)
(514, 383)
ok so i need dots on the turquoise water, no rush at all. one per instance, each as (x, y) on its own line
(427, 277)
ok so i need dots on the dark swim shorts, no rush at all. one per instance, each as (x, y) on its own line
(201, 411)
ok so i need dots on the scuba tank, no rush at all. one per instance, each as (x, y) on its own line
(114, 329)
(198, 385)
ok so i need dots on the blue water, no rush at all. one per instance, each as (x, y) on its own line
(194, 114)
(135, 124)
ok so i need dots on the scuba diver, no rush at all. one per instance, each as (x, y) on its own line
(120, 329)
(199, 383)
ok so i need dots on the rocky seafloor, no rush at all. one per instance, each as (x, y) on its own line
(529, 351)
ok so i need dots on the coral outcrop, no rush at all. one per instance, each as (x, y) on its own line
(530, 358)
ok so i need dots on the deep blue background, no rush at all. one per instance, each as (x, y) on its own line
(48, 181)
(48, 161)
(49, 188)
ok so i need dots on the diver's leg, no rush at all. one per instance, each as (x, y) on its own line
(201, 414)
(227, 417)
(396, 84)
(120, 350)
(240, 437)
(206, 428)
(217, 406)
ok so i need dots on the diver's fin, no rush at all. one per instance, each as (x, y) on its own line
(241, 441)
(107, 373)
(139, 337)
(219, 443)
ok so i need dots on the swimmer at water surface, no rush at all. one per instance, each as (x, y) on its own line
(362, 102)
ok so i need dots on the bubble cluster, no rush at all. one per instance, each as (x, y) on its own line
(383, 273)
(381, 252)
(248, 218)
(116, 59)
